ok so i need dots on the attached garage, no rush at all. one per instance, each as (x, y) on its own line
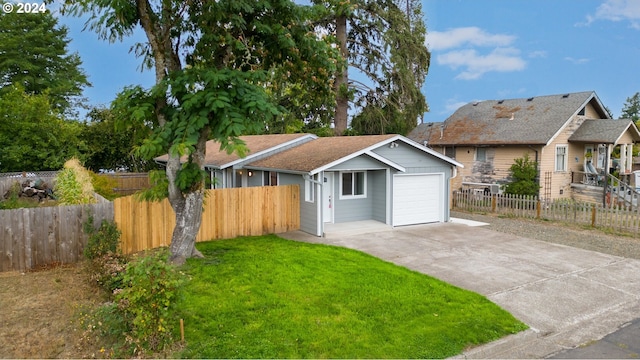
(418, 199)
(384, 178)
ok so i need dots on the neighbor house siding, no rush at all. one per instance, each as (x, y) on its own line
(560, 180)
(255, 179)
(590, 112)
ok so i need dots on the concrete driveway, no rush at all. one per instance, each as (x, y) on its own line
(568, 296)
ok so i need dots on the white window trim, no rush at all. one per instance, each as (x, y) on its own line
(309, 191)
(566, 157)
(347, 197)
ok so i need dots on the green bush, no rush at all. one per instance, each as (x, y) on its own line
(524, 174)
(107, 264)
(102, 241)
(104, 185)
(73, 184)
(147, 300)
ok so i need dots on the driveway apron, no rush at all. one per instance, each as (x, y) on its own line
(568, 296)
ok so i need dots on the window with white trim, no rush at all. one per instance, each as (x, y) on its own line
(561, 157)
(353, 184)
(309, 190)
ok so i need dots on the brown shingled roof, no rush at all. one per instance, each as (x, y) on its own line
(320, 152)
(514, 121)
(255, 143)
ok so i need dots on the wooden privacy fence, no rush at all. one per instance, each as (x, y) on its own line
(617, 218)
(35, 237)
(227, 213)
(129, 183)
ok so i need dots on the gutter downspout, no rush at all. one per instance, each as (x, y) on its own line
(309, 178)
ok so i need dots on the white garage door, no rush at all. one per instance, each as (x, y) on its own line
(418, 199)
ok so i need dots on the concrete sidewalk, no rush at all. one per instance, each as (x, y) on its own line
(567, 296)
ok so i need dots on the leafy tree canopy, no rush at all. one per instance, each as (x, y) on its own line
(32, 136)
(35, 56)
(213, 61)
(384, 43)
(631, 108)
(111, 143)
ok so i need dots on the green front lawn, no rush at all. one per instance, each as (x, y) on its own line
(266, 297)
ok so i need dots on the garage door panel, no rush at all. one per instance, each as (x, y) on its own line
(417, 199)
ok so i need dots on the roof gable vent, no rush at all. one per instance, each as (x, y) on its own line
(565, 96)
(530, 99)
(500, 101)
(475, 103)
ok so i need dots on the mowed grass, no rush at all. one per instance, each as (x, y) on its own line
(267, 297)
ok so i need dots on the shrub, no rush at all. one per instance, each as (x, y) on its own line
(151, 285)
(73, 184)
(524, 173)
(103, 249)
(104, 185)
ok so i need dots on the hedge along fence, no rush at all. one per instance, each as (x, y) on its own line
(228, 213)
(35, 237)
(617, 218)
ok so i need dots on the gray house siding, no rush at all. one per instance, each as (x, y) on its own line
(256, 179)
(371, 207)
(362, 162)
(308, 210)
(379, 194)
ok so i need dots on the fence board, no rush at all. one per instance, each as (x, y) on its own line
(228, 213)
(611, 217)
(35, 237)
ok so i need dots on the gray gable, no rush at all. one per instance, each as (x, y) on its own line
(525, 121)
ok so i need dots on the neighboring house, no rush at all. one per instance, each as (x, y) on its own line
(387, 178)
(227, 170)
(569, 135)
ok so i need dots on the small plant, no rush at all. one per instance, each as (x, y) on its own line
(147, 300)
(104, 185)
(73, 184)
(524, 172)
(107, 263)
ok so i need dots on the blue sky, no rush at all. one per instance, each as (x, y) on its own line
(480, 50)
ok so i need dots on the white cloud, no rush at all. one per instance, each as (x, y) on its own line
(473, 36)
(475, 65)
(538, 54)
(459, 49)
(576, 61)
(617, 10)
(452, 105)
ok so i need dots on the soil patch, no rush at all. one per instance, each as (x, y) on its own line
(40, 312)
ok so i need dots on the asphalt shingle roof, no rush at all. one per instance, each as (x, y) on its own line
(255, 143)
(524, 121)
(319, 152)
(601, 131)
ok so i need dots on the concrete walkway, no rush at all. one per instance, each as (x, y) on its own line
(567, 296)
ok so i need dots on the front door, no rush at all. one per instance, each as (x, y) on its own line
(327, 197)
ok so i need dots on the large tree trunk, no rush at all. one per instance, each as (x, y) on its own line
(188, 219)
(342, 78)
(187, 205)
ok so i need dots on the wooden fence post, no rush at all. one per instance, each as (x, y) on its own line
(493, 203)
(593, 215)
(538, 209)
